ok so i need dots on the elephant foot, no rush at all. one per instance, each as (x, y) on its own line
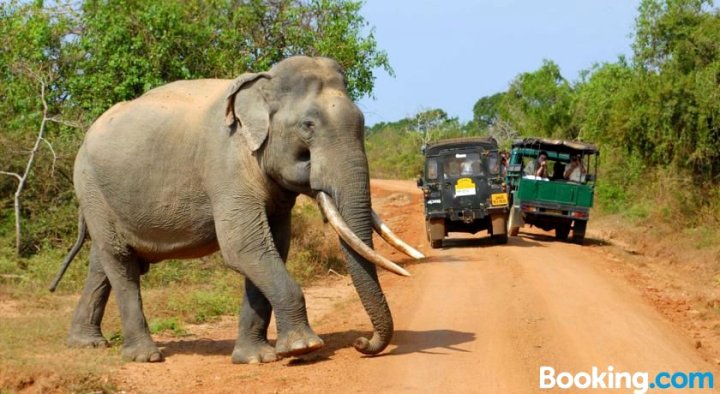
(298, 341)
(84, 338)
(254, 353)
(143, 351)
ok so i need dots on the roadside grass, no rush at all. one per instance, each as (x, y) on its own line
(314, 249)
(669, 205)
(176, 294)
(33, 352)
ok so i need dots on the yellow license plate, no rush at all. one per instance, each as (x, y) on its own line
(499, 199)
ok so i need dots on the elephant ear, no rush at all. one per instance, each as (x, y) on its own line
(247, 106)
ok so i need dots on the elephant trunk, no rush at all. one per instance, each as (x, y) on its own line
(352, 196)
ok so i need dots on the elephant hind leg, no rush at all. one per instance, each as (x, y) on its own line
(85, 327)
(123, 270)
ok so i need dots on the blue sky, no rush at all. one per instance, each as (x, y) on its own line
(449, 53)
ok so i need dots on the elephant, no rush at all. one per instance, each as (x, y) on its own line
(193, 167)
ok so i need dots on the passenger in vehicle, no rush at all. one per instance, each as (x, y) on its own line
(541, 170)
(575, 171)
(467, 167)
(503, 163)
(452, 169)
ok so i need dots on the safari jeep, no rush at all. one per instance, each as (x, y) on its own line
(557, 195)
(462, 188)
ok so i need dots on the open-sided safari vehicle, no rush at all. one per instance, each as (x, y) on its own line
(462, 186)
(556, 195)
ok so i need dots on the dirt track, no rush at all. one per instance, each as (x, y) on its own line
(474, 317)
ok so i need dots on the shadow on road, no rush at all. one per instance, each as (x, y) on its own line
(544, 237)
(429, 342)
(447, 259)
(550, 237)
(486, 242)
(201, 346)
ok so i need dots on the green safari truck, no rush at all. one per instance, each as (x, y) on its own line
(551, 185)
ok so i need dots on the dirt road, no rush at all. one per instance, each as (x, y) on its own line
(474, 317)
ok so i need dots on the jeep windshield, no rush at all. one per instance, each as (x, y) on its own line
(463, 165)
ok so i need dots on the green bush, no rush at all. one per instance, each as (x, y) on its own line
(314, 249)
(172, 324)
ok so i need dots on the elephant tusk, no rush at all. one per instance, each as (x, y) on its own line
(339, 225)
(395, 241)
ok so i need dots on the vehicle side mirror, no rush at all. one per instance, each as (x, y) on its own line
(420, 182)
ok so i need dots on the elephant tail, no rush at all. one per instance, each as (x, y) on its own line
(82, 234)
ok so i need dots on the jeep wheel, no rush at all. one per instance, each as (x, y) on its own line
(579, 227)
(562, 231)
(435, 232)
(512, 222)
(500, 239)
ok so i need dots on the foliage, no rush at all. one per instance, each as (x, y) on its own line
(486, 111)
(540, 103)
(661, 112)
(171, 324)
(314, 248)
(128, 47)
(677, 56)
(394, 149)
(394, 153)
(92, 54)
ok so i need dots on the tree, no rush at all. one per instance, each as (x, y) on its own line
(602, 102)
(22, 178)
(540, 103)
(434, 124)
(31, 90)
(677, 55)
(486, 110)
(130, 46)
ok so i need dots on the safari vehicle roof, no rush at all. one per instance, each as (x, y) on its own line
(487, 143)
(561, 146)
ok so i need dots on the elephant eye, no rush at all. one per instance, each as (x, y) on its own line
(306, 130)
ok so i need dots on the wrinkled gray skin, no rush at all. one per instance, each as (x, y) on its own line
(194, 166)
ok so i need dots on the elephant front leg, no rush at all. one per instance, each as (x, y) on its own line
(85, 327)
(252, 345)
(268, 287)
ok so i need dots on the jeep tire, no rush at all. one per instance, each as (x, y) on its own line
(435, 231)
(579, 227)
(562, 230)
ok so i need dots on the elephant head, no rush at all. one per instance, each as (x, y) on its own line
(307, 134)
